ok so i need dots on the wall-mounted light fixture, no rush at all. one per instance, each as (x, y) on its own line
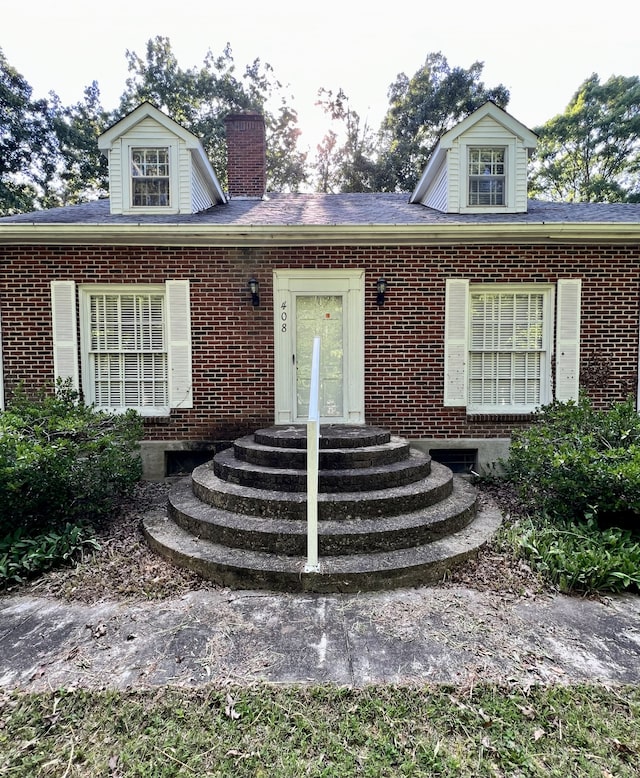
(254, 289)
(381, 288)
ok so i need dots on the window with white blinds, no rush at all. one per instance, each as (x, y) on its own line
(135, 344)
(128, 350)
(508, 350)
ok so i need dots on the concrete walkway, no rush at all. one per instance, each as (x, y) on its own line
(429, 635)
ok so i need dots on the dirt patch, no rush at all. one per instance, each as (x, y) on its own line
(124, 568)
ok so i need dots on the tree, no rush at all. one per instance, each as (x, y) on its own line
(48, 153)
(421, 109)
(286, 165)
(21, 134)
(201, 98)
(82, 169)
(345, 160)
(591, 152)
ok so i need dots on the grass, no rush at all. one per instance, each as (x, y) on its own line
(378, 731)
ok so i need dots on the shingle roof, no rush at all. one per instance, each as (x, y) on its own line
(336, 209)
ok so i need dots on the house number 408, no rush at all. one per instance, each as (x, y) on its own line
(283, 317)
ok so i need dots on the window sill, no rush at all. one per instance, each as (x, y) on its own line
(149, 210)
(145, 413)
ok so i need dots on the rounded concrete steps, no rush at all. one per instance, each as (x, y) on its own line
(415, 466)
(387, 515)
(248, 449)
(240, 498)
(339, 436)
(243, 569)
(289, 536)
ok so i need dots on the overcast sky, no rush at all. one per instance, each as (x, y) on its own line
(540, 51)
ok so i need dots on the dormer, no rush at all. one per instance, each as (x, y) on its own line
(156, 167)
(479, 166)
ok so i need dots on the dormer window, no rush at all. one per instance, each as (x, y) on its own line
(479, 166)
(150, 178)
(157, 167)
(486, 176)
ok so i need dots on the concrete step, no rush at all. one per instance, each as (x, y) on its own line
(387, 515)
(335, 506)
(289, 536)
(360, 479)
(248, 449)
(331, 436)
(243, 569)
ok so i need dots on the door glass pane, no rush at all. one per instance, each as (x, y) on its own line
(319, 315)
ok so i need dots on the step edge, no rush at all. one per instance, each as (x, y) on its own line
(472, 537)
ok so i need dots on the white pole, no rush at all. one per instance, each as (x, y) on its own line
(313, 447)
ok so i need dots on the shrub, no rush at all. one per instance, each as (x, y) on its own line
(24, 557)
(576, 471)
(577, 463)
(62, 462)
(579, 557)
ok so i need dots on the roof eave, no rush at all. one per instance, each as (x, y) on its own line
(290, 235)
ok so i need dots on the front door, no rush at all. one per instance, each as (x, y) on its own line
(319, 316)
(329, 305)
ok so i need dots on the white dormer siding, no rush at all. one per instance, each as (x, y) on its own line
(438, 196)
(201, 198)
(192, 184)
(445, 182)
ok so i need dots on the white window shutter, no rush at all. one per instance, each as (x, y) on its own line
(65, 332)
(568, 339)
(179, 344)
(456, 349)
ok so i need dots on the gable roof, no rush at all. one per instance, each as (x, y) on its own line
(144, 111)
(511, 125)
(147, 110)
(324, 219)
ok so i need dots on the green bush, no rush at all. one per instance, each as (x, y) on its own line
(577, 463)
(579, 557)
(24, 557)
(576, 471)
(62, 462)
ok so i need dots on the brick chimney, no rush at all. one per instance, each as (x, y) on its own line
(246, 155)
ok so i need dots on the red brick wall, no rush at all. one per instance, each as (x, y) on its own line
(233, 341)
(246, 155)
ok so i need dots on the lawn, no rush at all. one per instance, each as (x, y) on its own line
(323, 731)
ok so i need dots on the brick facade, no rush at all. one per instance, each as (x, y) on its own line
(233, 365)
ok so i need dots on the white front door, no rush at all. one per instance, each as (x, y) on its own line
(330, 305)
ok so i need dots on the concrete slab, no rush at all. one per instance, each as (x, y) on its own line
(429, 635)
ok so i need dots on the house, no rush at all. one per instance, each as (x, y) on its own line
(447, 315)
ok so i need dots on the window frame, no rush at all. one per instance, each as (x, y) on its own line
(177, 343)
(86, 292)
(491, 177)
(128, 147)
(485, 140)
(547, 291)
(161, 181)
